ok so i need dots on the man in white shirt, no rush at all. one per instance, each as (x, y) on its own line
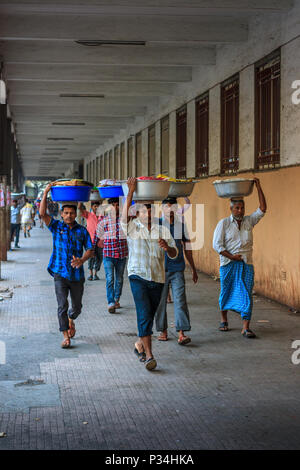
(148, 241)
(233, 241)
(27, 214)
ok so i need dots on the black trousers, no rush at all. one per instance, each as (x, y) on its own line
(64, 287)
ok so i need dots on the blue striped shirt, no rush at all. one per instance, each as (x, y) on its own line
(66, 244)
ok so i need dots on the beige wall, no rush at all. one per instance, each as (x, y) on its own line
(276, 237)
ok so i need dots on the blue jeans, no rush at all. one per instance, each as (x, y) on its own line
(181, 312)
(146, 296)
(114, 273)
(15, 229)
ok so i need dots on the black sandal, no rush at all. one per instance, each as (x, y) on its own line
(140, 355)
(223, 326)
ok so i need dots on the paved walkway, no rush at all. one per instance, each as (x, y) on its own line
(220, 392)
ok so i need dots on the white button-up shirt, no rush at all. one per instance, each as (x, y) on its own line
(146, 258)
(229, 237)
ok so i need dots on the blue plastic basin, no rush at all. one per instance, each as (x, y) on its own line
(110, 191)
(71, 193)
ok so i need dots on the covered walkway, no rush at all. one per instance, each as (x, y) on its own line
(220, 392)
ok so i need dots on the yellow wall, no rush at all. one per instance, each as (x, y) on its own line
(276, 237)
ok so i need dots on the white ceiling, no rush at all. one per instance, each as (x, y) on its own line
(43, 61)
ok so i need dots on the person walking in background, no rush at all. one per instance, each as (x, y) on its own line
(15, 222)
(92, 218)
(148, 241)
(27, 214)
(174, 269)
(66, 264)
(115, 253)
(180, 211)
(233, 241)
(37, 204)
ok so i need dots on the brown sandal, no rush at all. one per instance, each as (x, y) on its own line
(163, 337)
(66, 343)
(182, 340)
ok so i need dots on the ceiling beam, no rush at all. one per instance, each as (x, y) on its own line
(70, 111)
(156, 7)
(94, 73)
(107, 88)
(71, 53)
(92, 101)
(95, 120)
(204, 29)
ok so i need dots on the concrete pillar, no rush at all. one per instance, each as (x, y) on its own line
(134, 156)
(3, 234)
(111, 163)
(215, 130)
(172, 144)
(4, 240)
(126, 159)
(290, 104)
(247, 119)
(158, 147)
(119, 159)
(190, 139)
(145, 156)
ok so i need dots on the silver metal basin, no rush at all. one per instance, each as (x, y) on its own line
(234, 187)
(153, 190)
(181, 189)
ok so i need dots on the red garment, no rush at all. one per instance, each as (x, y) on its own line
(92, 221)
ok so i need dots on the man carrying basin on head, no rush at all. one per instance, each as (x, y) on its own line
(66, 263)
(148, 241)
(234, 242)
(115, 253)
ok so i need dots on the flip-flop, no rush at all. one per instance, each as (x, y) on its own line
(248, 334)
(223, 324)
(184, 340)
(140, 355)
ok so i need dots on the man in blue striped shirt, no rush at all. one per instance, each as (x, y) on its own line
(66, 264)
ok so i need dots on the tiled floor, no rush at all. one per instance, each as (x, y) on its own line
(220, 392)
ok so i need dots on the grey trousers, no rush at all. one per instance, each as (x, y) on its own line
(62, 289)
(181, 312)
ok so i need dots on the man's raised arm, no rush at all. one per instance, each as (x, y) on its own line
(131, 183)
(43, 206)
(261, 196)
